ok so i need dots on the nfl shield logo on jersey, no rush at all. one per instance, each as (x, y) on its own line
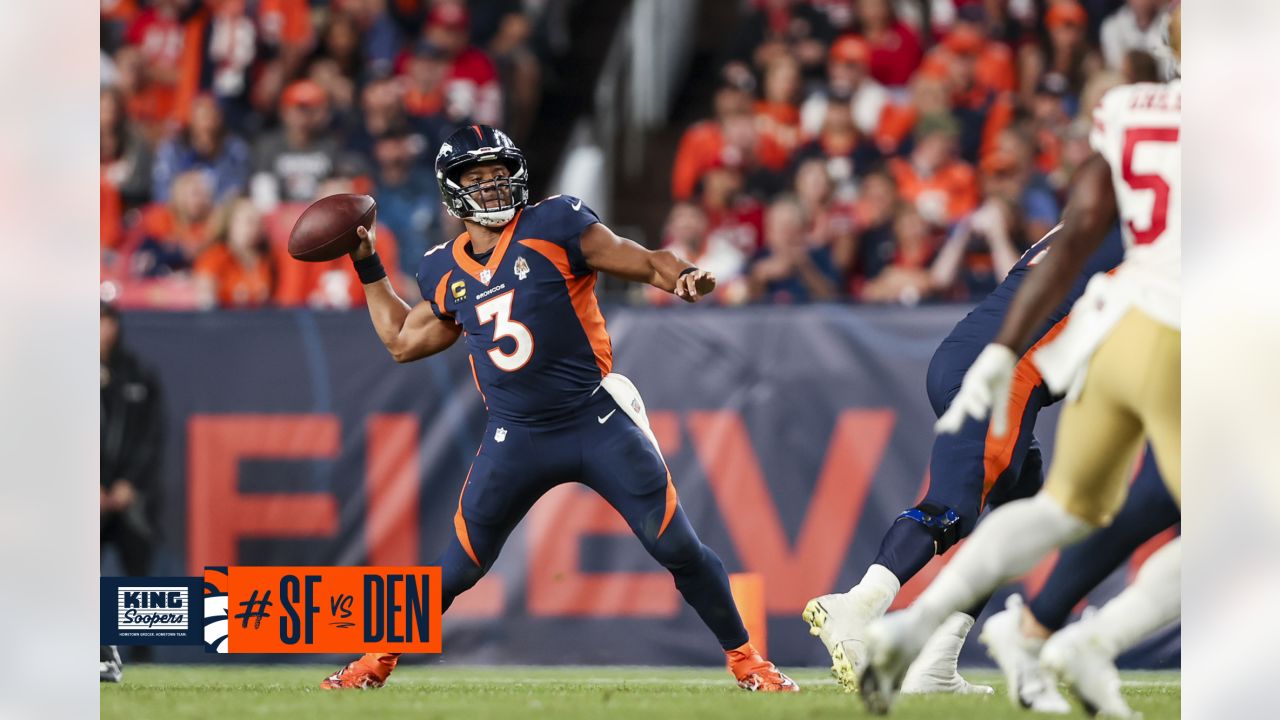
(522, 268)
(485, 275)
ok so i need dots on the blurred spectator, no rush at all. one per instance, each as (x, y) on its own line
(408, 197)
(425, 72)
(980, 110)
(733, 216)
(895, 48)
(383, 30)
(847, 154)
(1136, 25)
(978, 254)
(789, 270)
(124, 156)
(702, 145)
(472, 91)
(333, 284)
(232, 48)
(993, 61)
(339, 89)
(236, 271)
(1009, 175)
(687, 235)
(503, 29)
(290, 162)
(905, 277)
(779, 28)
(132, 438)
(1067, 55)
(874, 212)
(204, 144)
(930, 96)
(777, 115)
(829, 223)
(847, 78)
(340, 43)
(942, 187)
(383, 112)
(172, 234)
(165, 71)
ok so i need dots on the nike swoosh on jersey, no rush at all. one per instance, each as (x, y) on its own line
(603, 420)
(576, 205)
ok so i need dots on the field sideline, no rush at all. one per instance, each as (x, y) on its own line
(158, 692)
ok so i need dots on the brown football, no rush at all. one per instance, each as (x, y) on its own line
(327, 229)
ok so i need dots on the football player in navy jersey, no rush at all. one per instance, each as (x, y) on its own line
(519, 286)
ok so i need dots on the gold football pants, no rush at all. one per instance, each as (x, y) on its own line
(1132, 393)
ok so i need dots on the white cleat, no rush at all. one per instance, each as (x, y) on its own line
(1078, 660)
(892, 643)
(935, 671)
(1030, 685)
(840, 621)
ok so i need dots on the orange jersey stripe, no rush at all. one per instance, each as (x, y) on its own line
(475, 269)
(476, 378)
(441, 287)
(672, 501)
(460, 523)
(1026, 378)
(582, 293)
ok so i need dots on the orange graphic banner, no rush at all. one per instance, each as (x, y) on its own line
(324, 609)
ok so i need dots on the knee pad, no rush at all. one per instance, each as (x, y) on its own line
(943, 523)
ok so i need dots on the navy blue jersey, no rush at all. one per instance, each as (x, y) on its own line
(529, 315)
(967, 339)
(982, 324)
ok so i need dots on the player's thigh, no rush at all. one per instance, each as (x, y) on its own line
(1099, 437)
(621, 464)
(1013, 466)
(956, 472)
(504, 481)
(1160, 403)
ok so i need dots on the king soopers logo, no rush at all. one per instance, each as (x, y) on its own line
(152, 608)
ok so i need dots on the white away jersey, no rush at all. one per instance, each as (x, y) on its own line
(1136, 129)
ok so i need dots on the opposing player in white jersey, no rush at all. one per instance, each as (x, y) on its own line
(1119, 361)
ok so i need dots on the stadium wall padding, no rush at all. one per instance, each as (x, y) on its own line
(795, 435)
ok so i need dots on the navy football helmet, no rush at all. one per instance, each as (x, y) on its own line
(473, 145)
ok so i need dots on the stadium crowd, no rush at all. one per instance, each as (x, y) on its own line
(860, 151)
(870, 150)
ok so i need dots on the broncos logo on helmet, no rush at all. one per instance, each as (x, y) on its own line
(474, 145)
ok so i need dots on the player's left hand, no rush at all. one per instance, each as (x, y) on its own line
(985, 389)
(693, 286)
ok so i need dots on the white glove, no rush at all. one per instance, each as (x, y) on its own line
(985, 389)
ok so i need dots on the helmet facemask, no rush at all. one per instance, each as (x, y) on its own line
(506, 194)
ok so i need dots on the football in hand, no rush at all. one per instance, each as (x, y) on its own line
(327, 229)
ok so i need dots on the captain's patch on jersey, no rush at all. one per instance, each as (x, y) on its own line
(459, 290)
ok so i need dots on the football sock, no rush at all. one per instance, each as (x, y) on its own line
(1151, 602)
(882, 582)
(1081, 567)
(906, 548)
(1005, 545)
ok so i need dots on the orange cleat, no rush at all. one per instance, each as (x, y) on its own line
(757, 674)
(369, 671)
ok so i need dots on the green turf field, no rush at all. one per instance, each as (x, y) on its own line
(616, 693)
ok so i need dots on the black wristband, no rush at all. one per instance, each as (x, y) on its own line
(370, 269)
(686, 271)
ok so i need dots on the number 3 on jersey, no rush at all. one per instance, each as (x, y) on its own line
(498, 309)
